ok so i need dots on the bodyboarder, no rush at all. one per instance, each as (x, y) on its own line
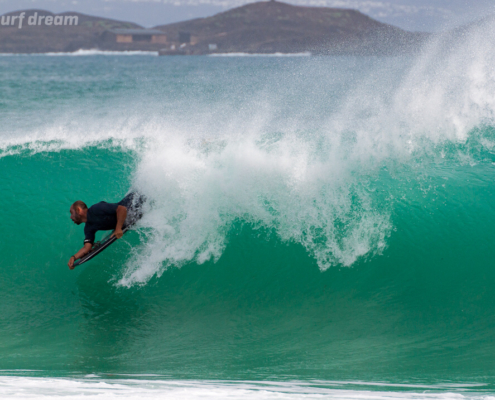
(104, 216)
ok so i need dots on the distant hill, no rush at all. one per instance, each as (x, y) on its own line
(44, 39)
(262, 27)
(482, 23)
(272, 26)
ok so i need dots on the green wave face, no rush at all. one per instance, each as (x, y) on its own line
(306, 218)
(421, 308)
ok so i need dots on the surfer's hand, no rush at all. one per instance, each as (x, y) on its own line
(71, 262)
(118, 233)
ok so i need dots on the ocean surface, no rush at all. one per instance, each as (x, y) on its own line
(316, 227)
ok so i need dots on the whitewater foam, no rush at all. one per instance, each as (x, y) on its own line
(86, 52)
(303, 54)
(95, 387)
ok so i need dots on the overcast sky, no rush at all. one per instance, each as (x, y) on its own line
(419, 15)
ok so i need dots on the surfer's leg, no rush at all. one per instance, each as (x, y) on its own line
(133, 201)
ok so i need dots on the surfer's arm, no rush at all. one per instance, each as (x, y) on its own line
(121, 216)
(81, 253)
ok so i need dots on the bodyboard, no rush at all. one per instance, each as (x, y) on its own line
(98, 248)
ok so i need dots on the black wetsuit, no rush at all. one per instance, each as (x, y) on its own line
(103, 216)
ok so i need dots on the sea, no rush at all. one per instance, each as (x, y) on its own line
(315, 227)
